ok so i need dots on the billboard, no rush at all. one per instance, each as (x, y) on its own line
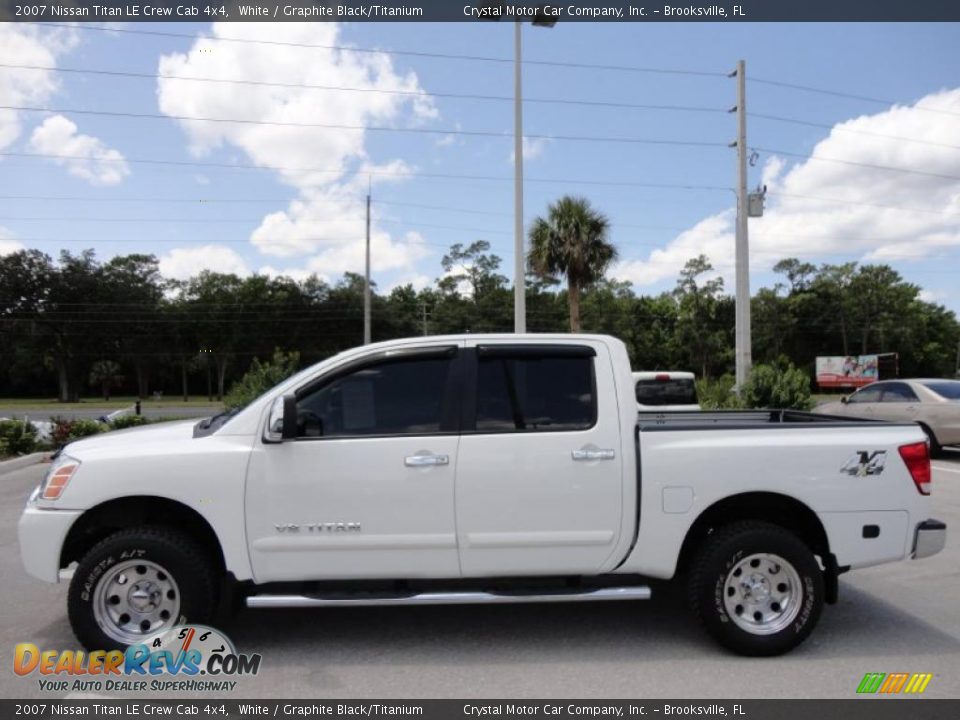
(847, 371)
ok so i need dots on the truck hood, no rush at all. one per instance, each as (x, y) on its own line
(166, 432)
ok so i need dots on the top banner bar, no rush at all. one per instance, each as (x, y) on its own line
(479, 11)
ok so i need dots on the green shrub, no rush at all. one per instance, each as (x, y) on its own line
(783, 387)
(717, 394)
(127, 421)
(261, 377)
(65, 431)
(17, 437)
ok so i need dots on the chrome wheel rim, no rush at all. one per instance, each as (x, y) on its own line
(135, 599)
(762, 594)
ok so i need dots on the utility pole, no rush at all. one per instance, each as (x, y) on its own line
(366, 279)
(423, 308)
(742, 353)
(519, 257)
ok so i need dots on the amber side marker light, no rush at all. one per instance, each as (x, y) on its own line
(916, 456)
(57, 481)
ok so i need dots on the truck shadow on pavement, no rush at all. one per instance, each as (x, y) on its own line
(860, 625)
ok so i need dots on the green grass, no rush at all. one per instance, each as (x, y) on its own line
(115, 403)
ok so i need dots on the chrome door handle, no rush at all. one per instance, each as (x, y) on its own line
(426, 460)
(594, 454)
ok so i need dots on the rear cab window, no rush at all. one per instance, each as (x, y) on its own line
(531, 389)
(667, 391)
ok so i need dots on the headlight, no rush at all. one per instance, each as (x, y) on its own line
(57, 477)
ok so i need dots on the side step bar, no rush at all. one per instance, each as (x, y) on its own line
(637, 592)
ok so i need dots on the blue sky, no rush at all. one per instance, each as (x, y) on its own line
(269, 220)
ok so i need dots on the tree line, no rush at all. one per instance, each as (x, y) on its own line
(80, 326)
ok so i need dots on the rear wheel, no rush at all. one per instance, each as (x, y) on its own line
(757, 588)
(136, 583)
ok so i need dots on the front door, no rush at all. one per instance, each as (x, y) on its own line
(539, 472)
(367, 488)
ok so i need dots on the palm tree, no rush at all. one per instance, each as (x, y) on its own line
(571, 242)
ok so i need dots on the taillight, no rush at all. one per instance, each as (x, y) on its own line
(916, 457)
(662, 377)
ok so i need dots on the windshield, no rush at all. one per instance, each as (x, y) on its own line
(680, 391)
(949, 389)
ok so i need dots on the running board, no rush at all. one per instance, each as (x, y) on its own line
(638, 592)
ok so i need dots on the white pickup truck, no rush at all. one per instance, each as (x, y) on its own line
(477, 469)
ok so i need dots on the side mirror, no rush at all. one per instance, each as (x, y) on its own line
(845, 399)
(289, 417)
(282, 423)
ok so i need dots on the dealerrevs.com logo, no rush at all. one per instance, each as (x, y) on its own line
(185, 658)
(893, 683)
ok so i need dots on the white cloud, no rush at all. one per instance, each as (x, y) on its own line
(827, 211)
(8, 243)
(932, 296)
(532, 148)
(89, 158)
(28, 45)
(419, 282)
(325, 223)
(184, 263)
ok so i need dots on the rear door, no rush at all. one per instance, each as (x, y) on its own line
(539, 476)
(898, 403)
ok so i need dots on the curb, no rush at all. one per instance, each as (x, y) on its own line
(9, 466)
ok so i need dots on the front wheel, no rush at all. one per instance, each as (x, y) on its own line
(757, 588)
(136, 583)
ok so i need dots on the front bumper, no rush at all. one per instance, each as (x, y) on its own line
(930, 538)
(42, 533)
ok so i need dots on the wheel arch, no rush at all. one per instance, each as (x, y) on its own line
(116, 514)
(776, 508)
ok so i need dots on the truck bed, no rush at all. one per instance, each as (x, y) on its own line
(648, 420)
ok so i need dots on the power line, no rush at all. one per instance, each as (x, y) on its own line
(407, 53)
(863, 204)
(838, 128)
(384, 91)
(854, 163)
(375, 172)
(837, 93)
(362, 128)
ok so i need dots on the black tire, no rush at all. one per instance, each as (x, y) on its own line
(936, 449)
(186, 562)
(726, 551)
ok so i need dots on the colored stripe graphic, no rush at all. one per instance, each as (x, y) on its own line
(893, 683)
(918, 683)
(871, 682)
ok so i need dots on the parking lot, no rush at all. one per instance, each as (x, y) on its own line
(894, 618)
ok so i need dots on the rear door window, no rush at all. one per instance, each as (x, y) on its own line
(529, 392)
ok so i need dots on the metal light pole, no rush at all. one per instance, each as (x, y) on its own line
(520, 256)
(366, 279)
(742, 353)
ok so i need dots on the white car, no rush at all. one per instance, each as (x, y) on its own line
(476, 469)
(666, 390)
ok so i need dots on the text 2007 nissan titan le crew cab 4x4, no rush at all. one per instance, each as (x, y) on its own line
(469, 469)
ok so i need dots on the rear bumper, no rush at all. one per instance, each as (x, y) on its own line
(930, 538)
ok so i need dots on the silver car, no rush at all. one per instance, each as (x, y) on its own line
(934, 404)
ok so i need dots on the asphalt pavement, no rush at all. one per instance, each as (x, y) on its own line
(893, 618)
